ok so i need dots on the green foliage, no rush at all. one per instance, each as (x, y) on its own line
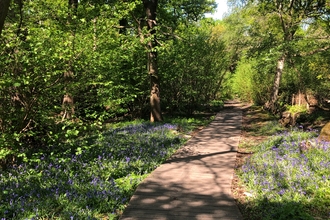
(198, 66)
(269, 31)
(242, 80)
(317, 117)
(49, 51)
(217, 104)
(297, 109)
(270, 128)
(250, 81)
(54, 56)
(187, 125)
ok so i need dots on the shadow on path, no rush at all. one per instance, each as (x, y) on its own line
(195, 183)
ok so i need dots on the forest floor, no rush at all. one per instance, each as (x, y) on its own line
(257, 126)
(253, 120)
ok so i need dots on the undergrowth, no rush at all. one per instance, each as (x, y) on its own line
(95, 178)
(288, 177)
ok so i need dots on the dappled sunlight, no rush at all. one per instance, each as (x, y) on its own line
(195, 182)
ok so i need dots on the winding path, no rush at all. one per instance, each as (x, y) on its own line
(195, 183)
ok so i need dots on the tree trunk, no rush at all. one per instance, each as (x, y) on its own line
(4, 7)
(67, 107)
(123, 23)
(150, 8)
(73, 5)
(67, 102)
(271, 104)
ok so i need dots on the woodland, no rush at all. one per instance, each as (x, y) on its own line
(70, 71)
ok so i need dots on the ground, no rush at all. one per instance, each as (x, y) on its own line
(257, 126)
(253, 120)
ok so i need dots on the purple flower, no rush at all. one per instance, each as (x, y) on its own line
(70, 181)
(281, 192)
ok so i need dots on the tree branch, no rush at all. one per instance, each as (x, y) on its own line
(122, 27)
(316, 51)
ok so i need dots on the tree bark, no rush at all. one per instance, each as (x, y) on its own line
(271, 104)
(67, 102)
(123, 23)
(73, 4)
(150, 9)
(4, 7)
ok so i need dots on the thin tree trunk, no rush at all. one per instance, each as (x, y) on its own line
(4, 7)
(150, 8)
(73, 5)
(94, 34)
(67, 102)
(271, 104)
(123, 23)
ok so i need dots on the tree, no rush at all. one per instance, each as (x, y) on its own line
(48, 42)
(4, 7)
(198, 65)
(291, 15)
(150, 7)
(67, 102)
(275, 33)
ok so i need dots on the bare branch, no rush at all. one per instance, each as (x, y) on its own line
(122, 27)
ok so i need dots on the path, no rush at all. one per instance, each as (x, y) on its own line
(195, 183)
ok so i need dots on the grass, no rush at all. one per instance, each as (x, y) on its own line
(287, 177)
(260, 122)
(95, 178)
